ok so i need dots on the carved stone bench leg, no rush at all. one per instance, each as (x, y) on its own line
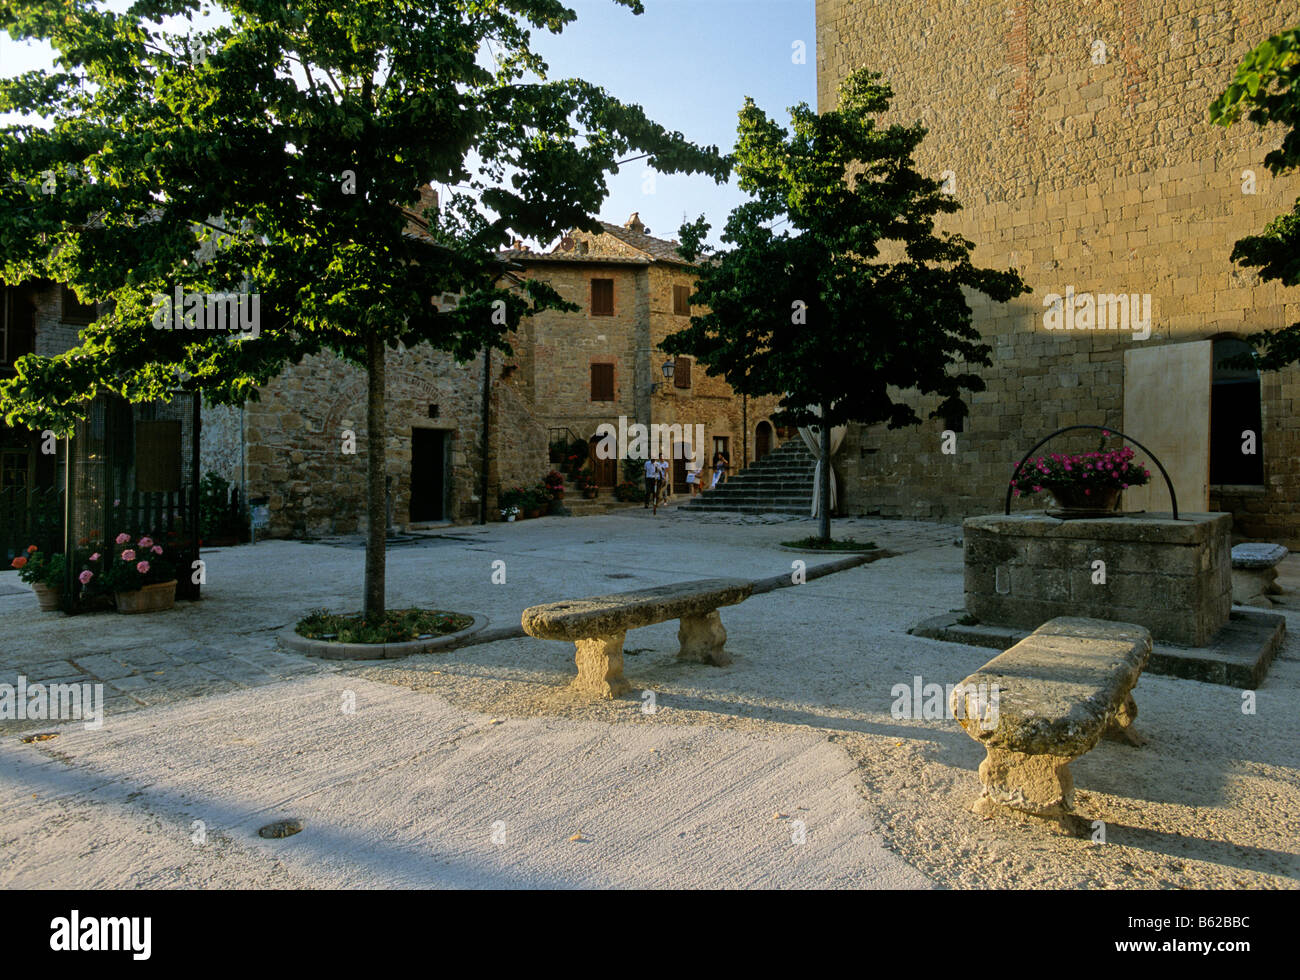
(600, 667)
(702, 639)
(1039, 785)
(1121, 727)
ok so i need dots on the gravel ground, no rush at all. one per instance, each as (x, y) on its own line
(1213, 801)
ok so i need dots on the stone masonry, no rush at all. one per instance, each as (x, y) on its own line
(1173, 577)
(1084, 165)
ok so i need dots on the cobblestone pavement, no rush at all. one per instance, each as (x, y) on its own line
(227, 641)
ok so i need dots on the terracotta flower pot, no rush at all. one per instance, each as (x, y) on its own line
(47, 597)
(152, 598)
(1100, 501)
(590, 493)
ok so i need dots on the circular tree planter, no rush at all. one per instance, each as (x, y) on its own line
(864, 550)
(329, 650)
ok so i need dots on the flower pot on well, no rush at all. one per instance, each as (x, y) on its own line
(151, 598)
(1101, 500)
(47, 597)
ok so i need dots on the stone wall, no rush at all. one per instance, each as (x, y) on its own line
(1103, 176)
(296, 453)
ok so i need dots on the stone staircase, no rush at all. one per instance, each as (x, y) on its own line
(779, 483)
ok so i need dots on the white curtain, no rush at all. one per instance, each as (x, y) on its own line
(812, 438)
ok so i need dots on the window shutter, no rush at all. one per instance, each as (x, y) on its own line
(681, 300)
(682, 372)
(602, 297)
(602, 382)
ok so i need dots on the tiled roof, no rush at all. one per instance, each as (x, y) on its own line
(657, 248)
(594, 258)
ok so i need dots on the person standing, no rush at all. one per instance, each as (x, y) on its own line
(651, 481)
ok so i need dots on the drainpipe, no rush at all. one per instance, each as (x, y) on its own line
(487, 405)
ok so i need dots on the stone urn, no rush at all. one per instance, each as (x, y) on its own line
(1073, 502)
(47, 597)
(151, 598)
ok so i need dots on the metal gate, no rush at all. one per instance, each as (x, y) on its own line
(133, 469)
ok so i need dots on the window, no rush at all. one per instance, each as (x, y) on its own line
(682, 373)
(17, 328)
(681, 300)
(75, 311)
(602, 297)
(602, 382)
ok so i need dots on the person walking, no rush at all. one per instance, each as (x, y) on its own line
(651, 481)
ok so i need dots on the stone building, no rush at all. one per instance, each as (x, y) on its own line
(581, 370)
(1076, 137)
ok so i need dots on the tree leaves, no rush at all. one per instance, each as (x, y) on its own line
(833, 286)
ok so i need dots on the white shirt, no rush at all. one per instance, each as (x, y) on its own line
(651, 469)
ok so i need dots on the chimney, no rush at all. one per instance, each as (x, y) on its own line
(634, 223)
(428, 200)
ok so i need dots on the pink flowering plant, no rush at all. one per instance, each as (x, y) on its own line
(125, 565)
(1092, 473)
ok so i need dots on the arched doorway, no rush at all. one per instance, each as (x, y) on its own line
(762, 440)
(1236, 419)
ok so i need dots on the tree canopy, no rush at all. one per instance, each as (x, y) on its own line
(1267, 89)
(293, 139)
(834, 288)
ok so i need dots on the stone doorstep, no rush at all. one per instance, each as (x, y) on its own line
(1238, 656)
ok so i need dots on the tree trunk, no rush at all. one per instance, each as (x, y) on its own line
(824, 507)
(376, 504)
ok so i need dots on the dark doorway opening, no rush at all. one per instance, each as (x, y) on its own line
(428, 475)
(606, 470)
(680, 462)
(1236, 419)
(762, 440)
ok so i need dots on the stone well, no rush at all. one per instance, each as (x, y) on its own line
(1173, 577)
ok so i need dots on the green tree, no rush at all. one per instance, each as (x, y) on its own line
(856, 298)
(1267, 88)
(288, 144)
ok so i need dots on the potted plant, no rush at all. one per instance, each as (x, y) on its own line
(628, 492)
(1083, 484)
(139, 575)
(511, 502)
(538, 498)
(586, 482)
(555, 483)
(44, 573)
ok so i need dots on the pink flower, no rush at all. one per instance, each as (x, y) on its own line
(1087, 493)
(123, 538)
(156, 549)
(95, 556)
(128, 555)
(142, 567)
(146, 542)
(86, 576)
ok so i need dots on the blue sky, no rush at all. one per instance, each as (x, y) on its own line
(688, 63)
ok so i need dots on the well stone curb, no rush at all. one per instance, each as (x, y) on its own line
(328, 650)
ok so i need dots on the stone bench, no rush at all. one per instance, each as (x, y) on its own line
(598, 625)
(1254, 573)
(1045, 702)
